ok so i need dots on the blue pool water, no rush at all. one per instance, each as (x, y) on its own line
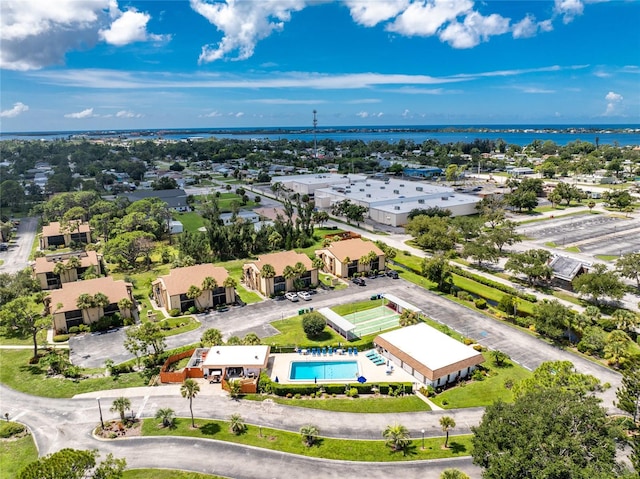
(323, 370)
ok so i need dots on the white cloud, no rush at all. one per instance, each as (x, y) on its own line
(406, 113)
(568, 9)
(363, 101)
(239, 114)
(474, 29)
(535, 90)
(285, 101)
(426, 18)
(243, 24)
(17, 109)
(213, 114)
(371, 13)
(128, 114)
(614, 100)
(130, 27)
(88, 113)
(366, 114)
(36, 33)
(525, 28)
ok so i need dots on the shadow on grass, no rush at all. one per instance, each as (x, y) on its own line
(457, 448)
(324, 336)
(210, 429)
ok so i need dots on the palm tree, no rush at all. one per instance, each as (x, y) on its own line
(73, 263)
(447, 423)
(85, 302)
(211, 337)
(267, 271)
(274, 240)
(453, 474)
(309, 434)
(209, 284)
(193, 293)
(235, 389)
(189, 390)
(407, 318)
(397, 437)
(625, 319)
(101, 300)
(317, 263)
(121, 405)
(617, 346)
(166, 415)
(230, 283)
(59, 269)
(125, 304)
(236, 424)
(288, 273)
(251, 339)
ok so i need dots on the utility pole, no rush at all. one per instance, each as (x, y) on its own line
(315, 142)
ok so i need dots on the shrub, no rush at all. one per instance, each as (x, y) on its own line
(8, 429)
(352, 393)
(129, 321)
(477, 375)
(480, 303)
(296, 396)
(164, 324)
(463, 295)
(174, 312)
(468, 341)
(478, 348)
(74, 330)
(60, 338)
(192, 310)
(83, 328)
(445, 402)
(313, 324)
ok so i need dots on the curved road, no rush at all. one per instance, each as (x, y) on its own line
(59, 423)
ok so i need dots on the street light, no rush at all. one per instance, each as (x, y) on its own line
(100, 409)
(422, 431)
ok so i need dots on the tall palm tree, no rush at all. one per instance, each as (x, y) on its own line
(447, 423)
(251, 339)
(309, 434)
(617, 346)
(397, 437)
(193, 293)
(317, 263)
(189, 390)
(59, 269)
(230, 283)
(211, 337)
(166, 415)
(288, 273)
(125, 304)
(267, 271)
(121, 405)
(101, 300)
(274, 240)
(237, 424)
(85, 302)
(209, 284)
(625, 320)
(73, 263)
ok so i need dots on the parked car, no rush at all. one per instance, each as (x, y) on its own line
(293, 297)
(304, 295)
(392, 273)
(359, 281)
(4, 246)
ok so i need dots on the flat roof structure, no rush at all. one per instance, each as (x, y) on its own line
(566, 268)
(237, 356)
(338, 321)
(428, 351)
(401, 302)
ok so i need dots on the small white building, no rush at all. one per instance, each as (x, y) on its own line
(432, 357)
(175, 227)
(246, 216)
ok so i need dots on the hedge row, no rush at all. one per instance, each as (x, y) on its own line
(306, 389)
(494, 284)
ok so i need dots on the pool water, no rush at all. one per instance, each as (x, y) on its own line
(323, 370)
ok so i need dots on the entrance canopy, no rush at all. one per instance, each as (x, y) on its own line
(401, 302)
(337, 322)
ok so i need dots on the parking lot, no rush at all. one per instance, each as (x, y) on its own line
(594, 234)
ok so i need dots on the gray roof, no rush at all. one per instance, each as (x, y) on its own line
(567, 268)
(175, 198)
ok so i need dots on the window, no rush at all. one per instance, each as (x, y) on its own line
(73, 318)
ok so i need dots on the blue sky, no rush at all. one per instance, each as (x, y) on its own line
(115, 64)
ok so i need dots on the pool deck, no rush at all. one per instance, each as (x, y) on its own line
(280, 365)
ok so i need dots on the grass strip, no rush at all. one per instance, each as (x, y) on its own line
(165, 474)
(15, 454)
(326, 448)
(358, 405)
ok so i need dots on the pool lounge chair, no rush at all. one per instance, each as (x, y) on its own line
(324, 351)
(330, 351)
(349, 351)
(313, 351)
(355, 351)
(371, 354)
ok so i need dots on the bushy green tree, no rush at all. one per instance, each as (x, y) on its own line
(313, 324)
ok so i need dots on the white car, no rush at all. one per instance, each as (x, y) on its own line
(292, 297)
(304, 295)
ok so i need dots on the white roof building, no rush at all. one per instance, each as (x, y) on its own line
(432, 357)
(309, 183)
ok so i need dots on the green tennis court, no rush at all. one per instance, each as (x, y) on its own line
(373, 320)
(363, 316)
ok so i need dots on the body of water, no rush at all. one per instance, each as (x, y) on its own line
(621, 135)
(323, 370)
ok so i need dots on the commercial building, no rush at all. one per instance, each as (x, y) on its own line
(432, 357)
(308, 184)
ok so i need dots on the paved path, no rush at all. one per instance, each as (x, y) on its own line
(16, 258)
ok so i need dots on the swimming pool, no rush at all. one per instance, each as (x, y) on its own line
(323, 370)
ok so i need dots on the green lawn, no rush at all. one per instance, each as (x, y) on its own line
(382, 404)
(291, 334)
(15, 454)
(607, 257)
(7, 339)
(17, 373)
(326, 448)
(191, 221)
(485, 392)
(572, 249)
(487, 292)
(165, 474)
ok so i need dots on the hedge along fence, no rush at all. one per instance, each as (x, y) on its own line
(366, 388)
(178, 376)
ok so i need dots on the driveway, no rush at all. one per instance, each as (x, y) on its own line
(16, 258)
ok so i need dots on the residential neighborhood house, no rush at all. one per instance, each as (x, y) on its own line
(53, 270)
(55, 235)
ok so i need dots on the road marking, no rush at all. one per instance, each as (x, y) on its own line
(144, 403)
(18, 416)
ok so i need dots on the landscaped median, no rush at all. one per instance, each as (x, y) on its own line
(325, 448)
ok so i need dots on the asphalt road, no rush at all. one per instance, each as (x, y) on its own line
(16, 258)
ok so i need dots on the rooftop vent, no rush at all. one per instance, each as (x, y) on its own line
(421, 202)
(368, 195)
(361, 189)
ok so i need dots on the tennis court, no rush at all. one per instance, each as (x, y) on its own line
(374, 320)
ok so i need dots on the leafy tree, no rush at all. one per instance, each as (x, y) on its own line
(550, 433)
(504, 234)
(447, 423)
(628, 393)
(468, 227)
(521, 199)
(251, 339)
(17, 285)
(167, 416)
(437, 270)
(532, 263)
(557, 376)
(164, 183)
(593, 340)
(618, 198)
(190, 390)
(146, 335)
(313, 324)
(193, 292)
(230, 282)
(195, 245)
(551, 318)
(127, 248)
(125, 304)
(626, 320)
(397, 437)
(19, 316)
(628, 266)
(309, 434)
(436, 234)
(73, 464)
(211, 337)
(320, 217)
(492, 209)
(598, 283)
(481, 249)
(407, 318)
(432, 211)
(120, 405)
(237, 424)
(234, 341)
(567, 192)
(101, 300)
(267, 271)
